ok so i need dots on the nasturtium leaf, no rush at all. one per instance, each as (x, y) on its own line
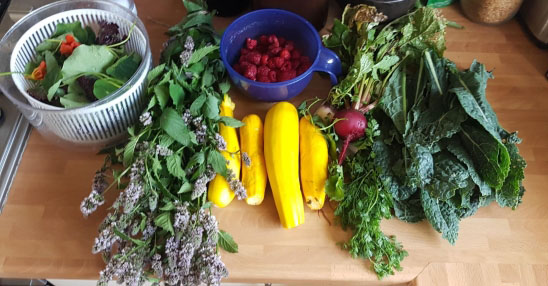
(125, 67)
(73, 100)
(103, 88)
(87, 59)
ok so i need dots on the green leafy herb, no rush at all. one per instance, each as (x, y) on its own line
(226, 242)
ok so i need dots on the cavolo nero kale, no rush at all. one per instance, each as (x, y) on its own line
(442, 150)
(437, 152)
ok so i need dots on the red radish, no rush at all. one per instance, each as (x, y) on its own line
(352, 127)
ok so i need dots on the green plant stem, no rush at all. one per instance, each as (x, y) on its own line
(125, 40)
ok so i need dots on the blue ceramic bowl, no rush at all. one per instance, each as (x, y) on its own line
(290, 26)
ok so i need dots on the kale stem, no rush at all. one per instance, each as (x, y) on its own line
(404, 107)
(421, 70)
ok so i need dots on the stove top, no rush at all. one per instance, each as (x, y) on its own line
(14, 128)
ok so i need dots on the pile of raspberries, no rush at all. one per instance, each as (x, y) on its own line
(271, 59)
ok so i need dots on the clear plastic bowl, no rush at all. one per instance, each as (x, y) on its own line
(101, 123)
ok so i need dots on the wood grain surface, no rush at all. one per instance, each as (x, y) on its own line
(43, 234)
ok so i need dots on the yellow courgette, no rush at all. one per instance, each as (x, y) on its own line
(281, 148)
(254, 175)
(219, 192)
(314, 160)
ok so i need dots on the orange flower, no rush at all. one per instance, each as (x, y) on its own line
(68, 45)
(38, 73)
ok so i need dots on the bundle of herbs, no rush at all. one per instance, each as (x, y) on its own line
(431, 146)
(160, 227)
(75, 66)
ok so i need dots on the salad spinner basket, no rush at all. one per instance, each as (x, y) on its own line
(101, 123)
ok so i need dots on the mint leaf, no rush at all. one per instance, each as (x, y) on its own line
(217, 161)
(173, 163)
(129, 150)
(164, 221)
(177, 93)
(224, 86)
(155, 72)
(197, 105)
(231, 122)
(226, 242)
(185, 188)
(162, 94)
(200, 53)
(211, 108)
(174, 126)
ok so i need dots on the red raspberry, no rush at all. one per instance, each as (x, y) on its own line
(264, 59)
(274, 50)
(279, 62)
(292, 74)
(251, 72)
(244, 65)
(250, 43)
(302, 69)
(295, 54)
(254, 58)
(263, 40)
(285, 54)
(289, 45)
(283, 75)
(305, 60)
(263, 78)
(295, 64)
(237, 68)
(244, 51)
(243, 58)
(273, 40)
(263, 71)
(271, 63)
(272, 76)
(286, 66)
(282, 41)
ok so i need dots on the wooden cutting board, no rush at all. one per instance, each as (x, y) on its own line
(43, 234)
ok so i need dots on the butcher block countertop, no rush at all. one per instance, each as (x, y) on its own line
(43, 234)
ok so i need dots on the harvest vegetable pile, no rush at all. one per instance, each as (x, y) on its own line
(75, 66)
(404, 133)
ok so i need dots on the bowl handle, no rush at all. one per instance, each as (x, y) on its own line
(330, 63)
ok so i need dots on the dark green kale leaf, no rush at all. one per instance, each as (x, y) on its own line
(449, 176)
(512, 190)
(442, 216)
(410, 209)
(455, 147)
(490, 156)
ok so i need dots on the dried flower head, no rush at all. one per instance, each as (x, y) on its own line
(146, 119)
(221, 143)
(187, 116)
(99, 184)
(236, 185)
(189, 43)
(246, 159)
(163, 151)
(91, 202)
(185, 57)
